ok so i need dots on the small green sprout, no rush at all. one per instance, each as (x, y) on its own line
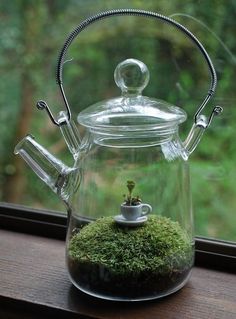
(129, 199)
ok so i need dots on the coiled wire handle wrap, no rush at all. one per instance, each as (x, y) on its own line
(134, 12)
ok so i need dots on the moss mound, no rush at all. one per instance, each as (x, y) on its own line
(111, 260)
(159, 245)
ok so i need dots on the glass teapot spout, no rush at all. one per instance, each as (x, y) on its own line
(48, 168)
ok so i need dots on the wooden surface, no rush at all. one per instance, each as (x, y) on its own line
(34, 284)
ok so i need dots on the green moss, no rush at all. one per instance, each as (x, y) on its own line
(159, 246)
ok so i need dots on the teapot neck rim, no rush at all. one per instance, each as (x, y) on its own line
(131, 139)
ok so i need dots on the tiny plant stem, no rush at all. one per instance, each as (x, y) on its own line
(130, 186)
(129, 200)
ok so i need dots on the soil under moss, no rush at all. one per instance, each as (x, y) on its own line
(125, 262)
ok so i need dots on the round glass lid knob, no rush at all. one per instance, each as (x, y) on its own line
(131, 76)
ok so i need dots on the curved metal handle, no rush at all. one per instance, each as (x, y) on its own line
(134, 12)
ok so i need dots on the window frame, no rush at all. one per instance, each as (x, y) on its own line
(209, 253)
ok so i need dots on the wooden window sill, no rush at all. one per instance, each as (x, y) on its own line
(34, 284)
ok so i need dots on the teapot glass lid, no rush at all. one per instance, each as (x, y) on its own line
(132, 111)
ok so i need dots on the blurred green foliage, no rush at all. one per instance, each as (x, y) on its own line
(32, 33)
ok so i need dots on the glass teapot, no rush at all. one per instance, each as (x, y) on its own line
(140, 245)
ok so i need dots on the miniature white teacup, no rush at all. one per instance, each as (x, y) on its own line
(132, 213)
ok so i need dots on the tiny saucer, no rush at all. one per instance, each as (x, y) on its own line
(132, 223)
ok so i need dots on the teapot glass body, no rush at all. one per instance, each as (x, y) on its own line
(144, 258)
